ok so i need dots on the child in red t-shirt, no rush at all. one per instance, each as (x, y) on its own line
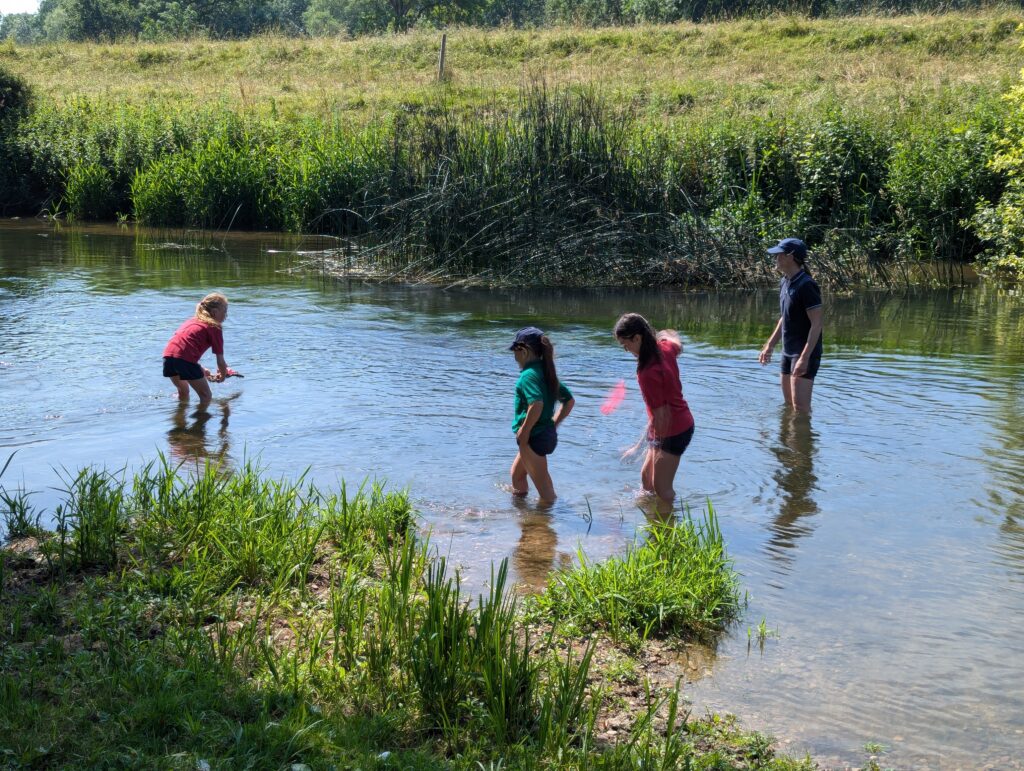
(190, 342)
(670, 424)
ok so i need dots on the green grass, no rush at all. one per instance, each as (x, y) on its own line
(677, 581)
(250, 622)
(673, 72)
(652, 155)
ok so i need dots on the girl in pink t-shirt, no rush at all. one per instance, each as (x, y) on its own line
(190, 342)
(670, 424)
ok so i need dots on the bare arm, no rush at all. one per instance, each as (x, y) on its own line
(661, 420)
(532, 416)
(766, 353)
(817, 319)
(563, 411)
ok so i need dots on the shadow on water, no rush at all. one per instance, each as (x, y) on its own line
(797, 482)
(188, 439)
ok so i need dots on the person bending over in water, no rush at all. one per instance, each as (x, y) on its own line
(799, 325)
(670, 423)
(190, 342)
(535, 423)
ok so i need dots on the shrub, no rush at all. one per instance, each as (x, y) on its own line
(1000, 222)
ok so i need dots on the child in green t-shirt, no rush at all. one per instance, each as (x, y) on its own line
(535, 423)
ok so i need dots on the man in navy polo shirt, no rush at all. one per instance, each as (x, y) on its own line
(799, 325)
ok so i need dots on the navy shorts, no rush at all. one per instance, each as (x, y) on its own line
(789, 359)
(545, 441)
(674, 445)
(186, 370)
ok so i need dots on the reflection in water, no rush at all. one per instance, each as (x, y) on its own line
(861, 653)
(535, 554)
(796, 480)
(187, 439)
(1006, 459)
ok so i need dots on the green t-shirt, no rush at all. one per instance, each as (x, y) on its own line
(531, 387)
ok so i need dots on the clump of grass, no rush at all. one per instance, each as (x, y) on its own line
(235, 620)
(678, 581)
(19, 518)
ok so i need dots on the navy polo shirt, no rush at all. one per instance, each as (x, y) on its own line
(798, 295)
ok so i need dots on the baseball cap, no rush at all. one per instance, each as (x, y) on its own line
(526, 336)
(793, 246)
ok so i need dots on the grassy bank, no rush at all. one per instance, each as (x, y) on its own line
(646, 155)
(674, 72)
(243, 622)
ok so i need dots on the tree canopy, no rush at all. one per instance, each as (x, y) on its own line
(78, 20)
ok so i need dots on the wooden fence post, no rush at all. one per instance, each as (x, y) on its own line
(440, 58)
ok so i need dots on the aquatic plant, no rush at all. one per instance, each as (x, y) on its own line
(677, 581)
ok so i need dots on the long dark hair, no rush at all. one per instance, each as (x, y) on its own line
(802, 262)
(630, 324)
(545, 350)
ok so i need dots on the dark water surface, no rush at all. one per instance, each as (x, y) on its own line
(883, 540)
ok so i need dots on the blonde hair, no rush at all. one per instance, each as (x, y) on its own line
(207, 305)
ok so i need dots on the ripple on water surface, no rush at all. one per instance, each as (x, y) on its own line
(883, 539)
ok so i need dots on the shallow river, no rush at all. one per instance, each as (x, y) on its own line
(883, 541)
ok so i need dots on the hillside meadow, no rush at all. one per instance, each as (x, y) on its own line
(682, 71)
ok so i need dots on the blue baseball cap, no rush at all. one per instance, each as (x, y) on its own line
(527, 336)
(793, 246)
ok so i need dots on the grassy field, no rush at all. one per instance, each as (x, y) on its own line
(776, 66)
(242, 622)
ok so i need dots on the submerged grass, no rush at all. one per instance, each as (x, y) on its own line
(231, 620)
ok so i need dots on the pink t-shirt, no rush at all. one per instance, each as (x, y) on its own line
(659, 384)
(192, 339)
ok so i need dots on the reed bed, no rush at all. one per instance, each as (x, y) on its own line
(232, 620)
(644, 155)
(564, 188)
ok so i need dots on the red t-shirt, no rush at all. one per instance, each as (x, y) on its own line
(192, 339)
(659, 384)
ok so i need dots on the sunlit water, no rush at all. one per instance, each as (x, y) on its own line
(884, 540)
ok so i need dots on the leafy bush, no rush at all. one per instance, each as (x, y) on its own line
(15, 96)
(1000, 221)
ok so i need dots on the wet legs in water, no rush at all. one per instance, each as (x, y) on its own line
(529, 464)
(797, 392)
(201, 387)
(657, 477)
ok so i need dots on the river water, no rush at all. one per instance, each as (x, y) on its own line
(882, 541)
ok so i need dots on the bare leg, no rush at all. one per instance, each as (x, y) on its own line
(537, 468)
(665, 466)
(802, 389)
(787, 389)
(202, 389)
(519, 485)
(647, 472)
(182, 387)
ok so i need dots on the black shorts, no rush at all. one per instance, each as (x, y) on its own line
(674, 445)
(186, 370)
(545, 441)
(789, 359)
